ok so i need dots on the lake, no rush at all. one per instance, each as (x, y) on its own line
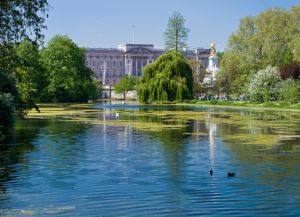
(153, 161)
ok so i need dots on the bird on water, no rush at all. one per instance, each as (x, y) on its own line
(231, 174)
(211, 172)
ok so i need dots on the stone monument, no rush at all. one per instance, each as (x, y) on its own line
(213, 66)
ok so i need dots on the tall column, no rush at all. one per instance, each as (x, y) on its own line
(130, 66)
(125, 64)
(142, 63)
(104, 72)
(136, 66)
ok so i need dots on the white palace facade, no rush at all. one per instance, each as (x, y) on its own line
(111, 64)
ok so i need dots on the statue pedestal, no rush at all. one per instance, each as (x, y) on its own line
(212, 69)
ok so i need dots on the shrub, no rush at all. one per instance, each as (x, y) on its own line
(289, 91)
(265, 85)
(291, 70)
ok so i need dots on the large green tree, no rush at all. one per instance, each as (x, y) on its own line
(270, 38)
(176, 33)
(18, 20)
(67, 73)
(30, 76)
(169, 78)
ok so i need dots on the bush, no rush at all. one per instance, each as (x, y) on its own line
(265, 85)
(289, 91)
(291, 70)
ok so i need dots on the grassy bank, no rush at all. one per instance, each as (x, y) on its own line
(245, 104)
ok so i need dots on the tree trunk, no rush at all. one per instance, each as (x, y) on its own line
(176, 42)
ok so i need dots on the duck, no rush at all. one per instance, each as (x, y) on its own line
(211, 172)
(230, 174)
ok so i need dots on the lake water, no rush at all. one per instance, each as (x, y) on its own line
(153, 161)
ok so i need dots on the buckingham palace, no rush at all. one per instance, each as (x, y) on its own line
(111, 64)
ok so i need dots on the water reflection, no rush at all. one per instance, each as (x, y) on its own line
(119, 167)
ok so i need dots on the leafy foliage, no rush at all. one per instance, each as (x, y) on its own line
(18, 20)
(199, 73)
(30, 76)
(22, 19)
(270, 38)
(67, 73)
(289, 91)
(265, 85)
(176, 34)
(125, 84)
(291, 70)
(91, 89)
(169, 78)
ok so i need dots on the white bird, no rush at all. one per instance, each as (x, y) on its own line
(117, 115)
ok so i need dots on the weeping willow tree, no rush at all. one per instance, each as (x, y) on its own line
(169, 78)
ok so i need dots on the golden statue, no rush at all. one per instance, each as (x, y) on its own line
(213, 49)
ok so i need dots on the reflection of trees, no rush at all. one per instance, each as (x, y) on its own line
(14, 151)
(172, 139)
(60, 142)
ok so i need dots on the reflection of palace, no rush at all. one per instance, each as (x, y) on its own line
(212, 129)
(110, 64)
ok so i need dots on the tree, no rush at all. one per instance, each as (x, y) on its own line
(265, 85)
(7, 103)
(66, 70)
(18, 20)
(270, 38)
(291, 70)
(169, 78)
(199, 73)
(22, 19)
(176, 34)
(30, 76)
(91, 89)
(125, 85)
(289, 91)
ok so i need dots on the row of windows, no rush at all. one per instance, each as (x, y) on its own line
(104, 57)
(101, 63)
(111, 57)
(116, 74)
(114, 64)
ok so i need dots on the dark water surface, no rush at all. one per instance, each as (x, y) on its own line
(116, 167)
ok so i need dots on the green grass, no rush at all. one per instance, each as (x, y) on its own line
(275, 104)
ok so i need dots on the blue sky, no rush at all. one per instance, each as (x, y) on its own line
(107, 23)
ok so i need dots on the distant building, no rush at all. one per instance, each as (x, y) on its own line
(111, 64)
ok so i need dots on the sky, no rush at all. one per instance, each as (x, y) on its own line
(108, 23)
